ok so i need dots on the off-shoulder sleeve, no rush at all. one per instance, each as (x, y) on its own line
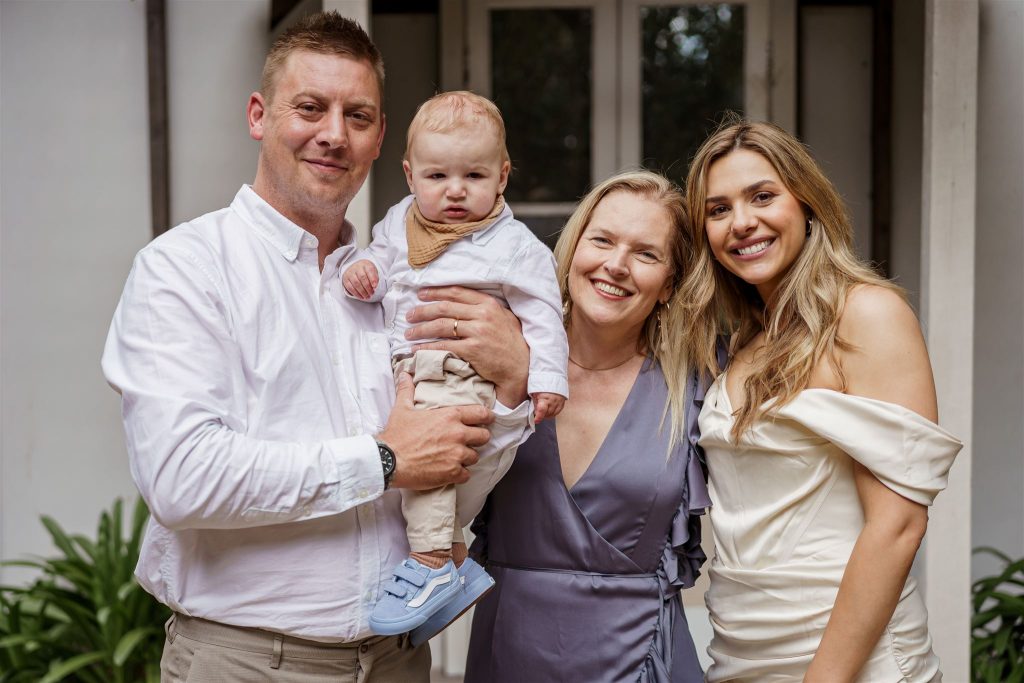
(907, 452)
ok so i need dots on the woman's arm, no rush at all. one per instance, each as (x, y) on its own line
(888, 361)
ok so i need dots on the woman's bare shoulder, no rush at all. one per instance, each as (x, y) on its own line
(884, 355)
(873, 306)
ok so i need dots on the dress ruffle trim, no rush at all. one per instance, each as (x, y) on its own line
(680, 567)
(683, 556)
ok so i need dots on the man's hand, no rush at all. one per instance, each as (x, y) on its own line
(360, 279)
(433, 447)
(489, 337)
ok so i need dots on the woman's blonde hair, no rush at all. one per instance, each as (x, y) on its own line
(661, 336)
(801, 321)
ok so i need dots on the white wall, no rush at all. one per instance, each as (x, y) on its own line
(998, 465)
(74, 209)
(215, 58)
(948, 182)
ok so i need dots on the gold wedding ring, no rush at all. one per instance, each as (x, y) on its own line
(455, 328)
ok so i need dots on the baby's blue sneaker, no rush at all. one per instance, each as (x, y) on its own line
(476, 583)
(414, 594)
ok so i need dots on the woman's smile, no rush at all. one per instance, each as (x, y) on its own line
(620, 270)
(755, 226)
(752, 249)
(609, 288)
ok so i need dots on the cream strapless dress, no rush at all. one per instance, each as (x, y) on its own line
(785, 516)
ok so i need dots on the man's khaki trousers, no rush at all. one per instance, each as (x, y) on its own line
(200, 651)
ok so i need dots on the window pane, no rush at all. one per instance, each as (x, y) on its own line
(541, 81)
(692, 74)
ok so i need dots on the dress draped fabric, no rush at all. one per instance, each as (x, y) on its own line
(588, 578)
(785, 517)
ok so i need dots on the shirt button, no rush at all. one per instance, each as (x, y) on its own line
(305, 510)
(353, 431)
(363, 493)
(336, 358)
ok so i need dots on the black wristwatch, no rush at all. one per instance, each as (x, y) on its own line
(387, 463)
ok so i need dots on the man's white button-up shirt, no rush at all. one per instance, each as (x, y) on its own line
(251, 390)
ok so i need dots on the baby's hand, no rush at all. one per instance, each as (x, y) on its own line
(361, 279)
(547, 405)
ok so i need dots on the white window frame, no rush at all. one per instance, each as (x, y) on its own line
(603, 128)
(616, 117)
(756, 69)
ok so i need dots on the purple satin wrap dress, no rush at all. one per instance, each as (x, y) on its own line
(588, 579)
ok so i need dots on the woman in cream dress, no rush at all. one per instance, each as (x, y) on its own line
(821, 442)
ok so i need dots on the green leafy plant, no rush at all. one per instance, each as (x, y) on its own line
(85, 619)
(997, 638)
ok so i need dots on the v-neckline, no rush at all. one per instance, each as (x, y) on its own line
(644, 367)
(723, 383)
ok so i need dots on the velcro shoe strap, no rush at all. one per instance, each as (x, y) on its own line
(411, 575)
(396, 589)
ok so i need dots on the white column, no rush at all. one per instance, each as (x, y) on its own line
(947, 307)
(359, 210)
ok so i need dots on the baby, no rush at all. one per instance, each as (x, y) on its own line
(456, 229)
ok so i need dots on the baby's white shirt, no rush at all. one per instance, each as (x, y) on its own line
(504, 260)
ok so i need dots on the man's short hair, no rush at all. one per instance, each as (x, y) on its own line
(325, 33)
(457, 109)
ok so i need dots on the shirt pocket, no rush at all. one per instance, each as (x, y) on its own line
(376, 391)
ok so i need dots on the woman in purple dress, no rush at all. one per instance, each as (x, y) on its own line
(595, 529)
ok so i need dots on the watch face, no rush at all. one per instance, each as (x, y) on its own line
(387, 459)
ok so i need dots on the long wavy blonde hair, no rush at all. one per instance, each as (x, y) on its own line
(801, 321)
(662, 333)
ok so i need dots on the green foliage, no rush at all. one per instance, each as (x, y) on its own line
(997, 640)
(85, 619)
(692, 74)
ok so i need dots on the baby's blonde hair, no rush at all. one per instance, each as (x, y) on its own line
(457, 109)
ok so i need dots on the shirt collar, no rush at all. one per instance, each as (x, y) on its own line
(286, 236)
(484, 236)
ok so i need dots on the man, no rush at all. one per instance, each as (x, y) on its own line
(257, 398)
